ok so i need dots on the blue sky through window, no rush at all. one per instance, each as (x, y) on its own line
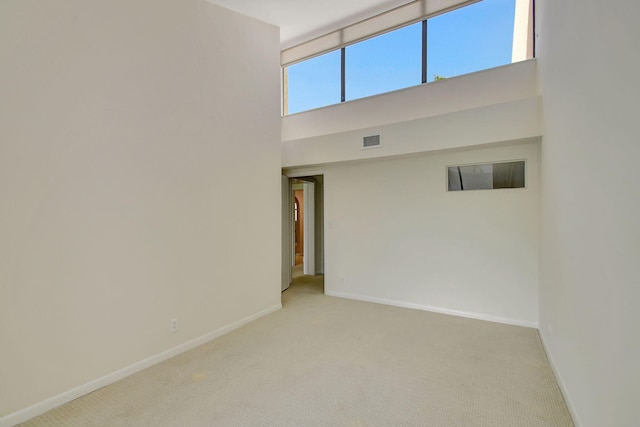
(384, 63)
(469, 39)
(465, 40)
(314, 83)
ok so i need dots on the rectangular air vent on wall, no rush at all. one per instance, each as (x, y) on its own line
(373, 141)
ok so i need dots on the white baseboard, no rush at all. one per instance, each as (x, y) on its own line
(563, 388)
(69, 395)
(478, 316)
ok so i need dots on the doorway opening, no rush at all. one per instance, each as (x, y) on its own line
(298, 229)
(303, 227)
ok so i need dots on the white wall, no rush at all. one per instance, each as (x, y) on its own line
(397, 236)
(589, 63)
(392, 231)
(137, 140)
(522, 46)
(484, 125)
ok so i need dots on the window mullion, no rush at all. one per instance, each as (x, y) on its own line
(424, 51)
(342, 74)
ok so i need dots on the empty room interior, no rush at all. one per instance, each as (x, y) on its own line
(164, 170)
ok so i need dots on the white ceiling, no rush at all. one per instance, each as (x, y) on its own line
(301, 20)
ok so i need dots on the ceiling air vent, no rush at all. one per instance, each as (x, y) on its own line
(373, 141)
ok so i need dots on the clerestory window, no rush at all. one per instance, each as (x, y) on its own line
(477, 36)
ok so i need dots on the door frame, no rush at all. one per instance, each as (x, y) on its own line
(287, 220)
(310, 251)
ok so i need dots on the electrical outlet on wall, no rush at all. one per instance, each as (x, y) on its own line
(174, 325)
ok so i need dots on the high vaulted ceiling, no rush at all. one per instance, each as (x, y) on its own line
(301, 20)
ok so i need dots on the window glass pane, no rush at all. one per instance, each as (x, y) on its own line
(486, 176)
(388, 62)
(469, 39)
(314, 83)
(508, 175)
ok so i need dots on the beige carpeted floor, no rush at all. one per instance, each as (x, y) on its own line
(297, 271)
(324, 361)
